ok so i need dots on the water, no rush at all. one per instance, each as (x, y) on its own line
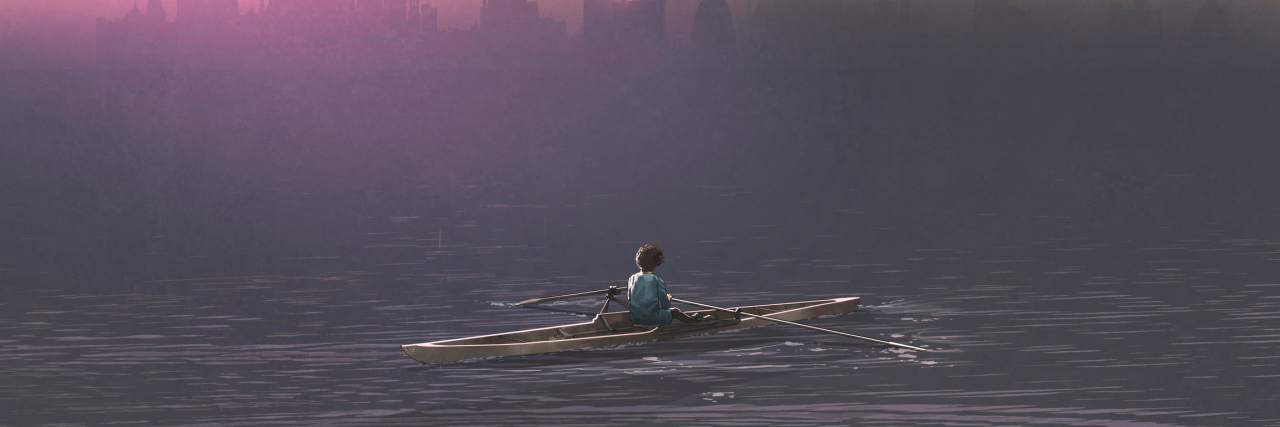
(1109, 259)
(1072, 330)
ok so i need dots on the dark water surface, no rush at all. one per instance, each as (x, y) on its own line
(1079, 330)
(1092, 250)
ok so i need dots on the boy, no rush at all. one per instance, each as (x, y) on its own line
(650, 303)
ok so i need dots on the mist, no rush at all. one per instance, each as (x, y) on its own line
(60, 33)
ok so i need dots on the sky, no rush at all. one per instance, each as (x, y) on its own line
(59, 33)
(453, 13)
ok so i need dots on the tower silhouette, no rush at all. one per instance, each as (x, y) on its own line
(713, 25)
(155, 12)
(597, 20)
(1211, 20)
(207, 11)
(641, 23)
(134, 15)
(397, 11)
(1000, 18)
(1137, 21)
(192, 11)
(509, 15)
(799, 27)
(429, 18)
(223, 10)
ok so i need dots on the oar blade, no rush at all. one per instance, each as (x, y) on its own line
(545, 299)
(530, 301)
(788, 322)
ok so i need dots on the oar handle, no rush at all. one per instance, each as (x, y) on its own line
(788, 322)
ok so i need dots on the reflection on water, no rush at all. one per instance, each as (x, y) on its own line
(1071, 331)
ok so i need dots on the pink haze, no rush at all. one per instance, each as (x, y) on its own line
(60, 33)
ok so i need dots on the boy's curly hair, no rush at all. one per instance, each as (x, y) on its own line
(649, 257)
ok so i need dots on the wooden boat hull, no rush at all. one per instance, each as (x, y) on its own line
(614, 329)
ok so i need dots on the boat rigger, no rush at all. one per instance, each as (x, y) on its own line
(610, 329)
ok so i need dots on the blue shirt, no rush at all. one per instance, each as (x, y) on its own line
(648, 296)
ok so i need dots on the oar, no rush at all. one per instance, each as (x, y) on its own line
(579, 294)
(802, 325)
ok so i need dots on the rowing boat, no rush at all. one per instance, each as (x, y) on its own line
(615, 329)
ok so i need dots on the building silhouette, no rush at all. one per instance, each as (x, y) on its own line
(369, 14)
(517, 17)
(999, 18)
(191, 11)
(1137, 21)
(206, 11)
(155, 12)
(597, 21)
(215, 33)
(138, 39)
(427, 17)
(713, 25)
(635, 22)
(309, 8)
(1211, 20)
(134, 16)
(800, 29)
(516, 27)
(795, 16)
(224, 10)
(641, 23)
(397, 11)
(886, 17)
(624, 29)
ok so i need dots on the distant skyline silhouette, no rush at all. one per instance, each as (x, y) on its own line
(60, 33)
